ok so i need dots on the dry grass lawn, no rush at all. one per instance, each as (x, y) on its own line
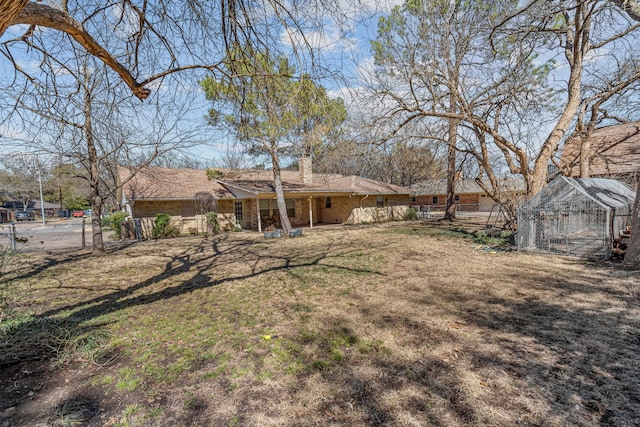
(403, 324)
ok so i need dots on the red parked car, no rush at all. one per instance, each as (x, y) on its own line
(77, 214)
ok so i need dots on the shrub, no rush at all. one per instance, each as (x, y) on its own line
(114, 222)
(76, 203)
(162, 227)
(489, 238)
(412, 213)
(212, 222)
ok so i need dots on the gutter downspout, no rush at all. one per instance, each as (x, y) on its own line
(310, 212)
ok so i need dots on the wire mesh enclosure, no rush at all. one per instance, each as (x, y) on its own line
(580, 217)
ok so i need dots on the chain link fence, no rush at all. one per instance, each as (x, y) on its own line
(8, 238)
(580, 217)
(566, 229)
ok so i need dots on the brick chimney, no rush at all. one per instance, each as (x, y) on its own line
(304, 166)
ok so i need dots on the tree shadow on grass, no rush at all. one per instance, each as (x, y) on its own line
(564, 340)
(564, 353)
(202, 262)
(47, 335)
(585, 359)
(198, 261)
(59, 257)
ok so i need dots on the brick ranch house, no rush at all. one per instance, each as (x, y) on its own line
(469, 196)
(247, 198)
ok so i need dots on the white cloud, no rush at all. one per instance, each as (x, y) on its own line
(16, 30)
(128, 23)
(325, 41)
(358, 10)
(28, 66)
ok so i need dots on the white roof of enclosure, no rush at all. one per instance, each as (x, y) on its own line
(609, 193)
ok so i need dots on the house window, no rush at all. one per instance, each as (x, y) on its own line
(269, 208)
(291, 207)
(380, 201)
(237, 207)
(414, 199)
(434, 200)
(265, 211)
(456, 198)
(327, 202)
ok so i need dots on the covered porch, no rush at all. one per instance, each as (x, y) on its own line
(314, 209)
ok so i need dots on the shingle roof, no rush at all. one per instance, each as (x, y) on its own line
(259, 182)
(615, 150)
(465, 186)
(163, 183)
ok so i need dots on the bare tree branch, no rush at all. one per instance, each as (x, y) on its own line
(49, 17)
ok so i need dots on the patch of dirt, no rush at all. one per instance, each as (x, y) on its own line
(49, 395)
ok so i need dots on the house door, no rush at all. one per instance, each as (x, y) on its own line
(238, 210)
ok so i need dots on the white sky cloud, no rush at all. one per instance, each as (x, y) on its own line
(594, 56)
(128, 22)
(29, 66)
(324, 41)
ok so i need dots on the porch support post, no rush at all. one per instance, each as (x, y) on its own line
(259, 220)
(311, 212)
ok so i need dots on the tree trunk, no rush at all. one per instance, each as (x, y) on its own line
(282, 206)
(94, 175)
(585, 156)
(577, 38)
(450, 210)
(541, 166)
(96, 225)
(632, 255)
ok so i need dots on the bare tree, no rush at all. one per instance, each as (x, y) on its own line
(632, 7)
(409, 157)
(83, 121)
(433, 59)
(504, 95)
(205, 203)
(234, 160)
